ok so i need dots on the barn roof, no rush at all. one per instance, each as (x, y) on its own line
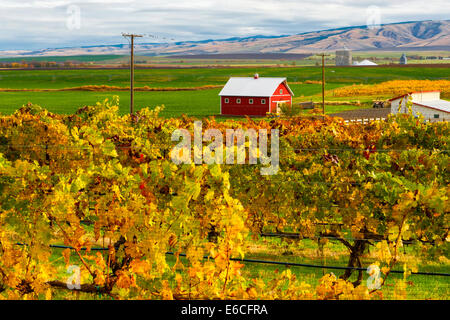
(252, 87)
(437, 104)
(410, 93)
(441, 105)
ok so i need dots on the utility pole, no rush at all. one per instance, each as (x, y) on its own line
(132, 36)
(323, 55)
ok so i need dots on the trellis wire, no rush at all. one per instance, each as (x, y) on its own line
(287, 264)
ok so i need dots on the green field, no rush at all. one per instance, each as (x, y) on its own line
(216, 76)
(200, 103)
(195, 103)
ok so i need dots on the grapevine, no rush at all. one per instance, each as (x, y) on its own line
(96, 178)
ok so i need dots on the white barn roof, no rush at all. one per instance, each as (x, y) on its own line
(441, 105)
(251, 87)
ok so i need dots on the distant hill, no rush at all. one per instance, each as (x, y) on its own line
(405, 36)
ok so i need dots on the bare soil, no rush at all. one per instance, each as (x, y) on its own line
(363, 113)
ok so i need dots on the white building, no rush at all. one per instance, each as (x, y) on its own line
(364, 63)
(427, 103)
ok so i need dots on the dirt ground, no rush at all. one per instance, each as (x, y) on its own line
(363, 113)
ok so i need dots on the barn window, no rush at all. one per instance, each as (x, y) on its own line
(238, 100)
(436, 116)
(281, 91)
(263, 101)
(227, 100)
(250, 101)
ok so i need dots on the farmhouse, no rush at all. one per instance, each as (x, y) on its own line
(254, 96)
(428, 103)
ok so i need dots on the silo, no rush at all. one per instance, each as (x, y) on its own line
(343, 58)
(403, 59)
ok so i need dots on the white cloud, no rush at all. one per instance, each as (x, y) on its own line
(43, 23)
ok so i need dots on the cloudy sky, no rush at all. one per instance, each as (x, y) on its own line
(34, 24)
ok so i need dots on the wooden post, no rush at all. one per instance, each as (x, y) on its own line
(323, 83)
(132, 76)
(132, 36)
(323, 86)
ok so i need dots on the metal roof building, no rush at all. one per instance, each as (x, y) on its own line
(427, 103)
(254, 95)
(252, 86)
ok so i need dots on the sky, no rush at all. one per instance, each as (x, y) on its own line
(35, 24)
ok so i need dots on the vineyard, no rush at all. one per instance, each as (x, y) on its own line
(394, 87)
(97, 192)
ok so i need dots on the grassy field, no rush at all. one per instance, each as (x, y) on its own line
(195, 103)
(201, 103)
(180, 78)
(335, 254)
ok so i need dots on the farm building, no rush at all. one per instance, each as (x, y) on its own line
(343, 58)
(403, 59)
(428, 103)
(364, 63)
(254, 96)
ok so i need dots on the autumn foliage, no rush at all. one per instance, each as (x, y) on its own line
(394, 87)
(96, 179)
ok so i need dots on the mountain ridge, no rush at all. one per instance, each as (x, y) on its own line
(407, 35)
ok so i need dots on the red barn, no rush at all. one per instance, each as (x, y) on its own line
(254, 96)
